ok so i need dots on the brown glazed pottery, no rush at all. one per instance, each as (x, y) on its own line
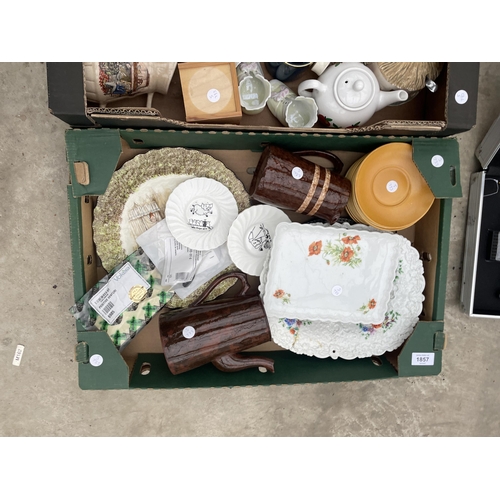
(288, 181)
(216, 332)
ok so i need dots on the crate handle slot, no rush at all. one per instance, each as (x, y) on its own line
(453, 175)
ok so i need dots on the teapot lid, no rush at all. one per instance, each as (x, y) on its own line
(355, 88)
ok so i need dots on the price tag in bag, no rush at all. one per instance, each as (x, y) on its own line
(422, 359)
(124, 288)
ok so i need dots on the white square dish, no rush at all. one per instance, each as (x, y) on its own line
(330, 273)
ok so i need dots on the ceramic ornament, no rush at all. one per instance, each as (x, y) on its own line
(410, 76)
(111, 81)
(348, 95)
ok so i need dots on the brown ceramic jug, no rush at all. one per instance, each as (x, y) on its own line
(288, 181)
(216, 332)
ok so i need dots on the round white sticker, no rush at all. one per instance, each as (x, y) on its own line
(96, 360)
(336, 290)
(213, 95)
(461, 96)
(188, 332)
(392, 186)
(437, 161)
(297, 173)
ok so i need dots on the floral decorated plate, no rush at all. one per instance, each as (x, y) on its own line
(325, 339)
(330, 273)
(250, 237)
(200, 212)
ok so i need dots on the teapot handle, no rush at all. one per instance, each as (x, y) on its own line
(334, 159)
(241, 276)
(310, 84)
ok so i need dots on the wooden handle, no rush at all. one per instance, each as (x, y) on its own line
(334, 159)
(241, 276)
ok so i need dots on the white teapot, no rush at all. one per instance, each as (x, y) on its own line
(348, 94)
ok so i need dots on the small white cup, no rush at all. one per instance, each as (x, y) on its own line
(290, 109)
(253, 88)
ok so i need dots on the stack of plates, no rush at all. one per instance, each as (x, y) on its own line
(325, 333)
(388, 190)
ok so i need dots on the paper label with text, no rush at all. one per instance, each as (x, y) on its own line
(422, 359)
(113, 298)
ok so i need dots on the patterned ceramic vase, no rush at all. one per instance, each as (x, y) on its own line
(110, 81)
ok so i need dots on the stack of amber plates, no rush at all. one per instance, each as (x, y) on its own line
(388, 190)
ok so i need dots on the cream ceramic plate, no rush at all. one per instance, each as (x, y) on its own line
(200, 212)
(325, 339)
(154, 191)
(330, 273)
(250, 237)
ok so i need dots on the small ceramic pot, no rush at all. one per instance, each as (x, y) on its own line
(110, 81)
(291, 110)
(290, 182)
(216, 332)
(253, 88)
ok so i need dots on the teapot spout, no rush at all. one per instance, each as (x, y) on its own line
(391, 97)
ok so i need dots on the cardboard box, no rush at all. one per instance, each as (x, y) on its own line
(450, 110)
(480, 291)
(143, 364)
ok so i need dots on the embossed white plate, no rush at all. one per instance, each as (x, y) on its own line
(325, 339)
(250, 237)
(199, 213)
(330, 273)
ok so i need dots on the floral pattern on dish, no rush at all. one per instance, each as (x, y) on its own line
(390, 318)
(293, 326)
(345, 251)
(282, 295)
(371, 304)
(399, 270)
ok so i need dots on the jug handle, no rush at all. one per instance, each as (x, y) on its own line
(334, 159)
(241, 276)
(236, 362)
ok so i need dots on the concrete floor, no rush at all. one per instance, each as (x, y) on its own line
(42, 398)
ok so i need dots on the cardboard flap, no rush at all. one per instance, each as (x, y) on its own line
(100, 150)
(439, 163)
(422, 342)
(112, 373)
(490, 145)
